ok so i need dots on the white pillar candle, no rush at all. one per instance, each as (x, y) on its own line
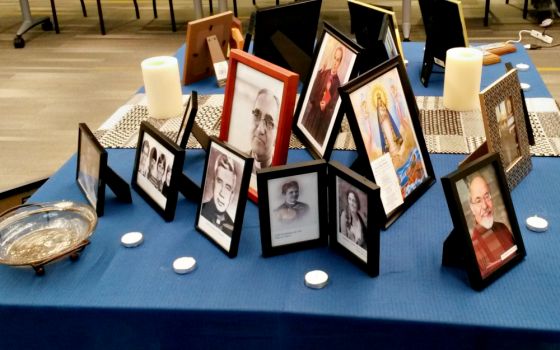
(463, 71)
(163, 86)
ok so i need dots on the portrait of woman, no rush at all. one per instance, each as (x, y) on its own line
(352, 224)
(152, 167)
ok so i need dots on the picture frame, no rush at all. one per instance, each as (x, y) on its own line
(293, 207)
(319, 111)
(198, 63)
(285, 35)
(385, 123)
(224, 195)
(266, 94)
(153, 178)
(486, 240)
(504, 124)
(93, 172)
(371, 26)
(354, 207)
(188, 120)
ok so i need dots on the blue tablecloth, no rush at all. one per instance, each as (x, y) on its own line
(116, 297)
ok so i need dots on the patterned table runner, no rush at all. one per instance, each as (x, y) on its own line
(445, 131)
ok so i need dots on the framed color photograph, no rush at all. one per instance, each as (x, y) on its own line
(486, 233)
(92, 159)
(385, 123)
(188, 120)
(224, 195)
(293, 207)
(157, 170)
(258, 109)
(198, 63)
(504, 123)
(354, 207)
(319, 113)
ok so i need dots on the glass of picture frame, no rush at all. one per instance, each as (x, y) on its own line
(260, 96)
(384, 119)
(354, 207)
(158, 170)
(293, 207)
(504, 123)
(224, 195)
(93, 172)
(319, 114)
(486, 240)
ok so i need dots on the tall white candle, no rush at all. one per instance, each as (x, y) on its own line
(163, 86)
(463, 71)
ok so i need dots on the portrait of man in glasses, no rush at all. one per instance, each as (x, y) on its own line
(492, 240)
(263, 128)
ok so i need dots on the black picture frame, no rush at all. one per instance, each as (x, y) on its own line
(161, 194)
(93, 172)
(413, 171)
(282, 225)
(222, 227)
(485, 179)
(345, 224)
(314, 127)
(188, 120)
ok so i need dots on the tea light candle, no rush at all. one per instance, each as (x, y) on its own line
(463, 72)
(163, 87)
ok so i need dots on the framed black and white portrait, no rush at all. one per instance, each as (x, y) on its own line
(224, 195)
(354, 207)
(157, 168)
(188, 120)
(292, 207)
(319, 114)
(92, 159)
(486, 232)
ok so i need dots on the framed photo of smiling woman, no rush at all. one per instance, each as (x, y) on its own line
(224, 195)
(258, 109)
(486, 239)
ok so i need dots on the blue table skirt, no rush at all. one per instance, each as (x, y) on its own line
(115, 296)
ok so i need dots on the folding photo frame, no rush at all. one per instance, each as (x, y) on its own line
(93, 172)
(385, 123)
(504, 123)
(354, 207)
(285, 35)
(319, 114)
(222, 206)
(376, 30)
(293, 207)
(445, 28)
(258, 109)
(188, 120)
(486, 240)
(198, 63)
(153, 177)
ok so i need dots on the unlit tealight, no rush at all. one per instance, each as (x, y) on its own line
(316, 279)
(536, 224)
(132, 239)
(184, 265)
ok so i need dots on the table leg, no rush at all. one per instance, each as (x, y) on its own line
(28, 22)
(222, 6)
(406, 19)
(198, 9)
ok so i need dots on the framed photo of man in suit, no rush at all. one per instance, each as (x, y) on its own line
(224, 195)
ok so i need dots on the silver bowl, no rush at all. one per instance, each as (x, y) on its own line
(36, 234)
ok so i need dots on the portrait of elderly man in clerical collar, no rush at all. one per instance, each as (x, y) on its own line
(263, 128)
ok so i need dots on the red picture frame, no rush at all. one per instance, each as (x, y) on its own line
(248, 77)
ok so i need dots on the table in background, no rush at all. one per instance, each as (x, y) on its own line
(115, 297)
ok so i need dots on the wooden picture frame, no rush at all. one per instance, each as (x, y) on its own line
(93, 172)
(486, 240)
(260, 96)
(319, 112)
(385, 122)
(224, 195)
(188, 120)
(354, 207)
(504, 123)
(370, 24)
(198, 63)
(153, 178)
(293, 207)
